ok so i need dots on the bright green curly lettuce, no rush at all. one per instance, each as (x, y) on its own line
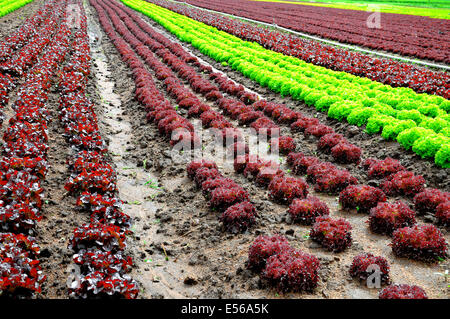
(414, 115)
(324, 103)
(359, 116)
(407, 137)
(377, 122)
(427, 146)
(391, 131)
(442, 157)
(436, 124)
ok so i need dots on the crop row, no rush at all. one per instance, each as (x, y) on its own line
(421, 37)
(424, 242)
(396, 181)
(21, 50)
(344, 96)
(24, 166)
(99, 245)
(224, 194)
(8, 6)
(420, 242)
(386, 71)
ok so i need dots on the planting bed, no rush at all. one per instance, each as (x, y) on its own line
(113, 211)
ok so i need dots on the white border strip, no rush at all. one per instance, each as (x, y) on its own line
(335, 43)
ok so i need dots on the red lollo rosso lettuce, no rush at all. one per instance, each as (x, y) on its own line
(382, 168)
(332, 234)
(318, 130)
(195, 165)
(20, 186)
(292, 270)
(334, 181)
(203, 173)
(262, 248)
(403, 292)
(286, 189)
(385, 218)
(255, 166)
(215, 182)
(102, 178)
(361, 197)
(111, 215)
(285, 115)
(91, 201)
(403, 183)
(239, 217)
(292, 157)
(19, 268)
(345, 152)
(443, 214)
(100, 236)
(231, 135)
(425, 243)
(249, 117)
(101, 285)
(241, 161)
(18, 217)
(364, 265)
(97, 260)
(85, 160)
(328, 141)
(283, 144)
(223, 197)
(265, 126)
(267, 174)
(430, 199)
(301, 164)
(237, 149)
(301, 124)
(305, 211)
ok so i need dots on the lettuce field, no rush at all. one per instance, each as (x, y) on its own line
(224, 149)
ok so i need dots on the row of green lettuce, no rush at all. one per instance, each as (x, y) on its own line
(417, 121)
(8, 6)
